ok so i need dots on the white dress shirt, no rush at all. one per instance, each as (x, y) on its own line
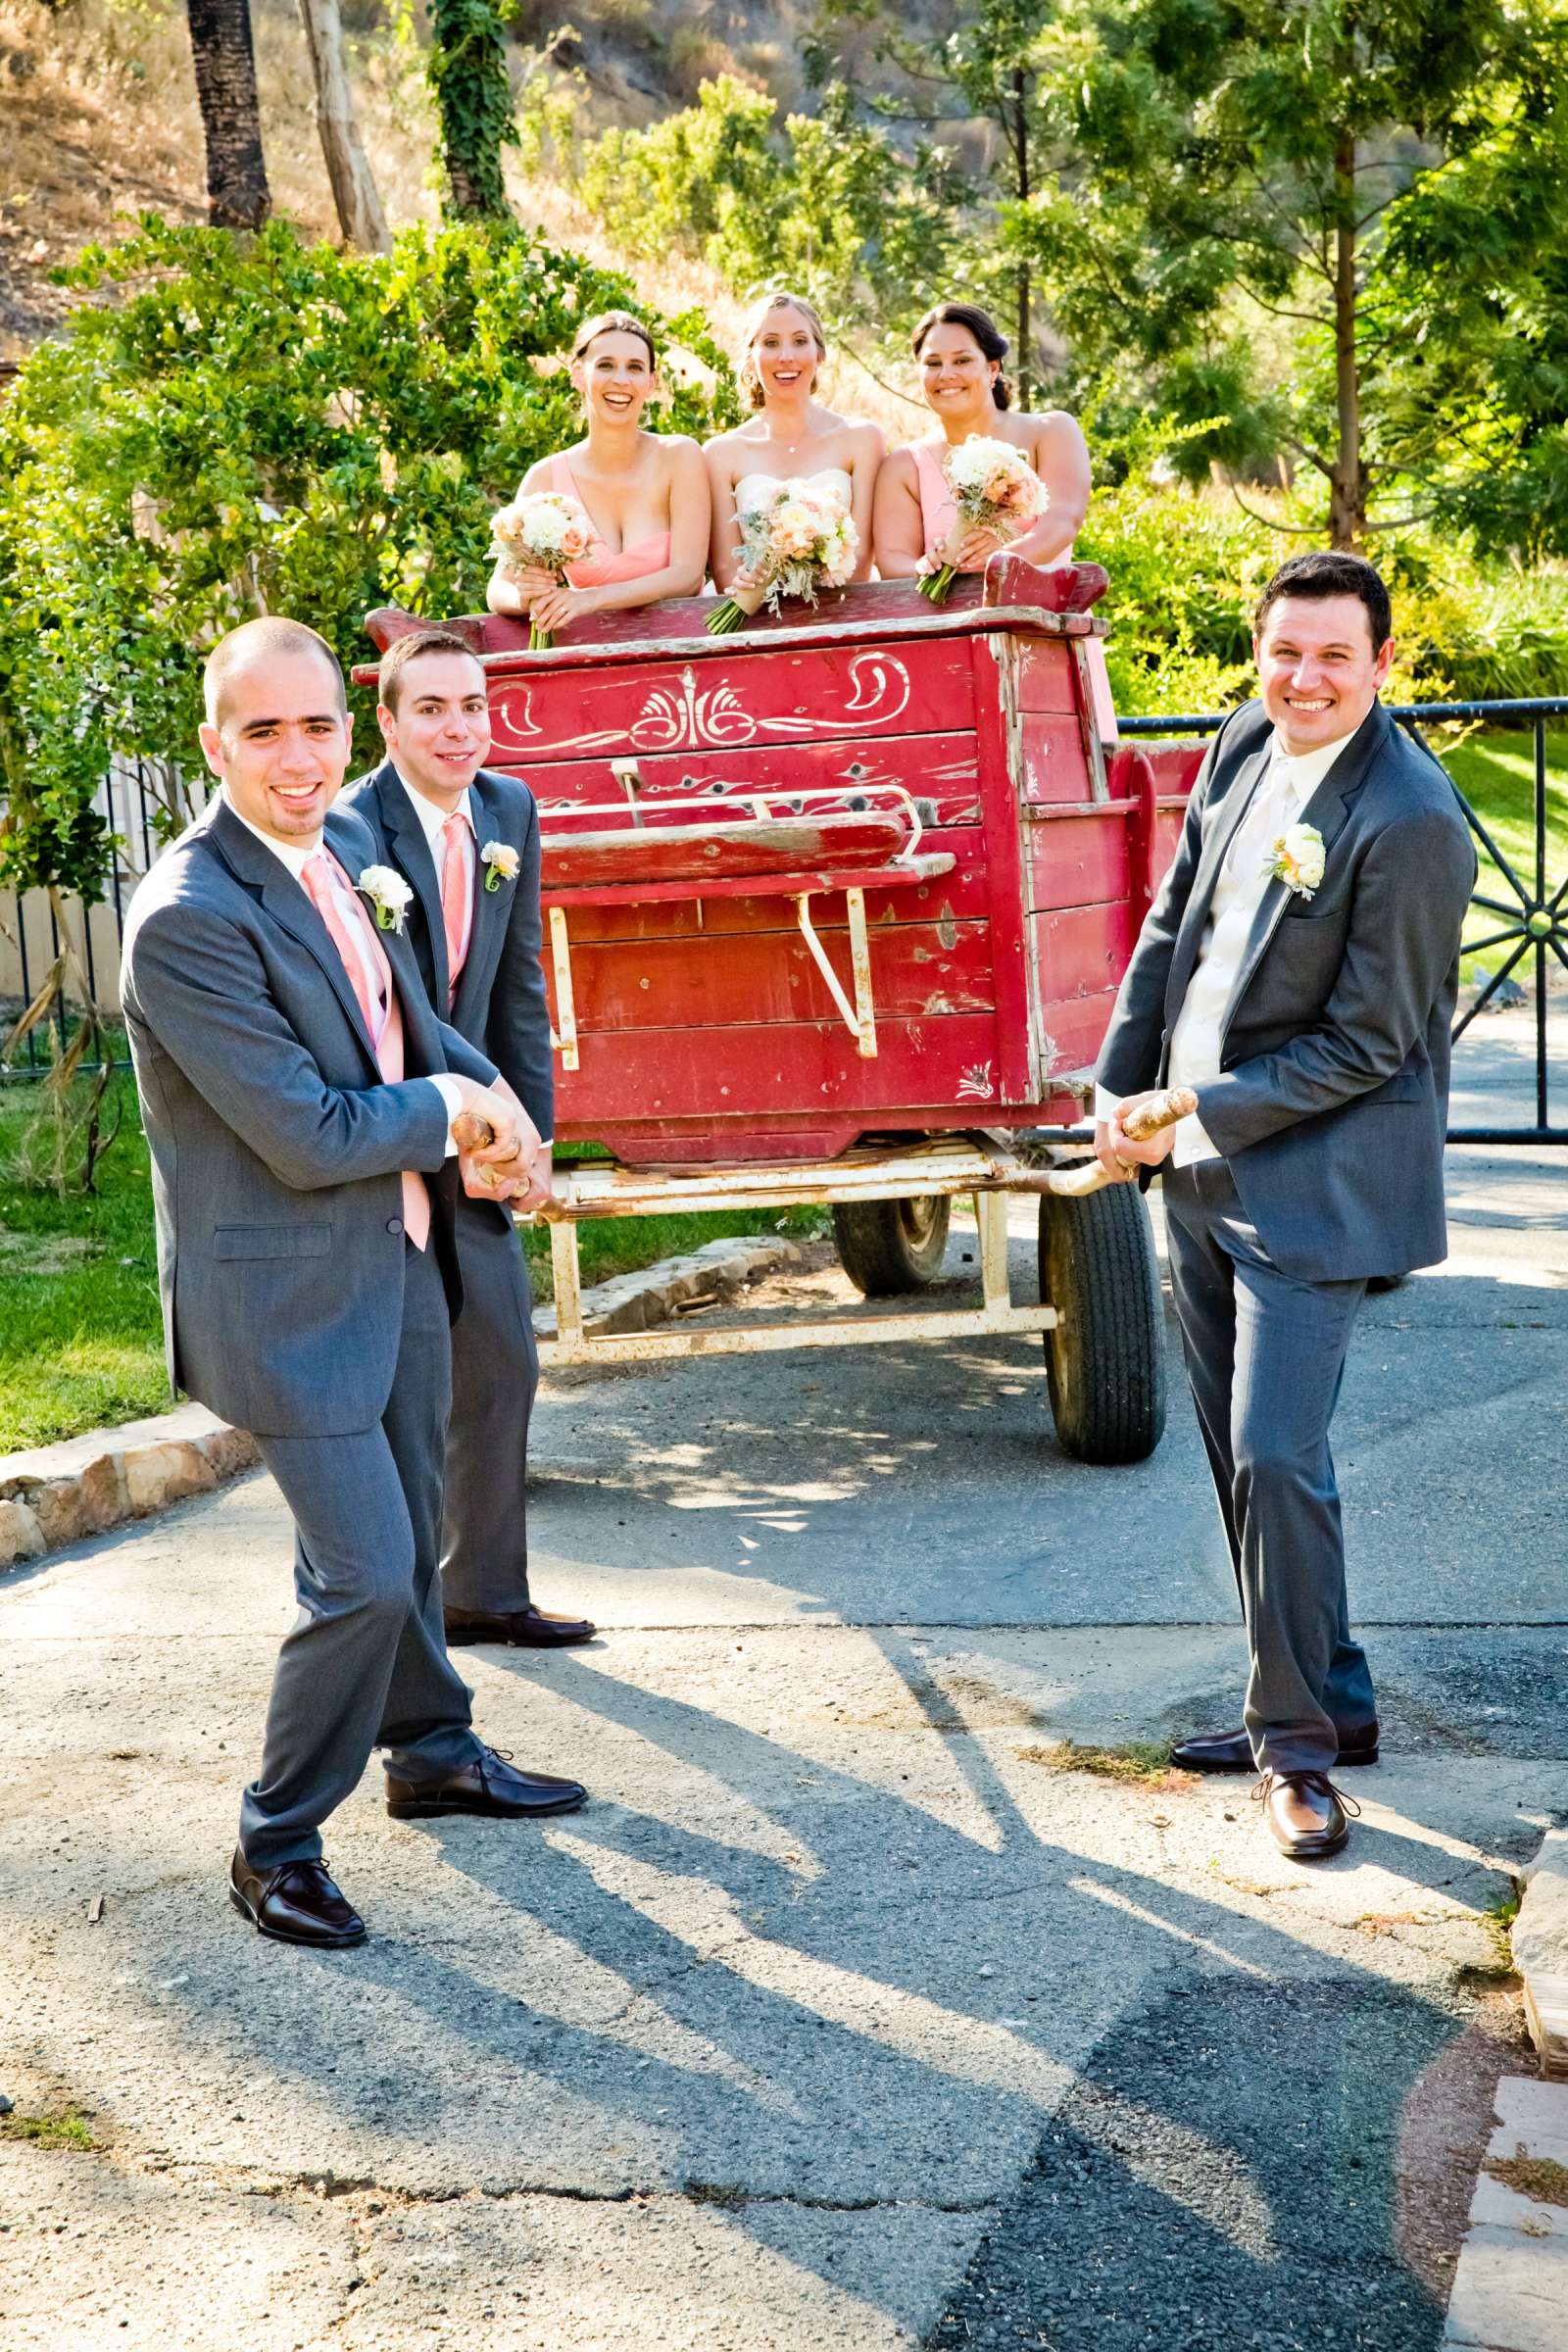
(296, 858)
(1198, 1037)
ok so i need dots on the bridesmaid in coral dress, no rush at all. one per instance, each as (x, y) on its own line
(645, 494)
(959, 350)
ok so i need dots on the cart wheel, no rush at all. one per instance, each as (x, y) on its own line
(891, 1245)
(1106, 1360)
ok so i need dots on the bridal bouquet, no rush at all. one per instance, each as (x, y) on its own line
(546, 530)
(802, 539)
(993, 488)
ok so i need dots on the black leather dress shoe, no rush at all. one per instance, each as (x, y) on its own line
(1305, 1814)
(490, 1785)
(520, 1628)
(295, 1903)
(1232, 1751)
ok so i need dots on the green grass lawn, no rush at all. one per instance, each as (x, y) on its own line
(81, 1336)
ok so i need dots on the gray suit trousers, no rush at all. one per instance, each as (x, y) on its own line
(365, 1663)
(1265, 1355)
(495, 1372)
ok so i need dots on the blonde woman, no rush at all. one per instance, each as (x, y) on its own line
(789, 437)
(959, 350)
(645, 494)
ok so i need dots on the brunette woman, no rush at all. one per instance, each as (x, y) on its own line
(645, 494)
(790, 436)
(959, 350)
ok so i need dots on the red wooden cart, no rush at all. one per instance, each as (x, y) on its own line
(835, 909)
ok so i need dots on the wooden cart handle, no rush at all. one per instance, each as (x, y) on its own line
(1160, 1110)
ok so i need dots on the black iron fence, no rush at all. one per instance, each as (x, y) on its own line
(1531, 921)
(1529, 914)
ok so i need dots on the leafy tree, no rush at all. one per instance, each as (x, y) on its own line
(472, 89)
(235, 428)
(224, 58)
(824, 202)
(1259, 204)
(978, 70)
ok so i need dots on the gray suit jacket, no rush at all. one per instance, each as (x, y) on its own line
(1333, 1096)
(276, 1148)
(500, 1004)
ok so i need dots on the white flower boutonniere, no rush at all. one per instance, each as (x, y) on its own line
(1298, 858)
(387, 893)
(499, 862)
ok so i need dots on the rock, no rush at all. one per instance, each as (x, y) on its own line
(20, 1535)
(1506, 996)
(6, 2104)
(155, 1474)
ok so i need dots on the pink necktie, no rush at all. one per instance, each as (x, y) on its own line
(456, 894)
(352, 934)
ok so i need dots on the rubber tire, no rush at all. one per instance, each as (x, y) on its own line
(891, 1245)
(1106, 1361)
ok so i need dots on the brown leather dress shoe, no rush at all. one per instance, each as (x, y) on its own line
(519, 1629)
(1305, 1813)
(295, 1903)
(490, 1785)
(1232, 1751)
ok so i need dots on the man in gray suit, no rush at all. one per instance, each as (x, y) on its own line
(466, 842)
(1299, 971)
(302, 1103)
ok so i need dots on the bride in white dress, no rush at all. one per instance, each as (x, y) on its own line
(791, 437)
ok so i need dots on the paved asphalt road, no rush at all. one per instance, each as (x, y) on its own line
(845, 2015)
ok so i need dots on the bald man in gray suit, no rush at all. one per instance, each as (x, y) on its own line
(303, 1106)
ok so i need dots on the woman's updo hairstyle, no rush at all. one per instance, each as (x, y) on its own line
(987, 334)
(613, 322)
(756, 318)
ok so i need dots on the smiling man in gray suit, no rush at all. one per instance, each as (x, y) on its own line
(1299, 971)
(467, 841)
(302, 1103)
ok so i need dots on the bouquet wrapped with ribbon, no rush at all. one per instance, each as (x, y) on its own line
(542, 531)
(801, 539)
(993, 488)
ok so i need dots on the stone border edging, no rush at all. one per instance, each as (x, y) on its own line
(53, 1496)
(1540, 1952)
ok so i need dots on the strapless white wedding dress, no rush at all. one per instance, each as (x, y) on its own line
(753, 490)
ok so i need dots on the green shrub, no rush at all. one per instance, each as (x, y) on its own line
(267, 426)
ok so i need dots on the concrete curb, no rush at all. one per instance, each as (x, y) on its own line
(57, 1495)
(1511, 2286)
(1540, 1952)
(52, 1496)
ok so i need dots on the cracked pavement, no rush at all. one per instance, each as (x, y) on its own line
(844, 2016)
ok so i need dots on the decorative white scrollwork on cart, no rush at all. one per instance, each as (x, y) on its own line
(976, 1083)
(683, 717)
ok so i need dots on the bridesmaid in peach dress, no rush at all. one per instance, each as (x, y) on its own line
(645, 494)
(959, 349)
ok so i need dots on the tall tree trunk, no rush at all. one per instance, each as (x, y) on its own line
(1347, 484)
(1026, 367)
(237, 193)
(354, 191)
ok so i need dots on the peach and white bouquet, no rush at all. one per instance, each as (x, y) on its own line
(544, 531)
(801, 539)
(993, 488)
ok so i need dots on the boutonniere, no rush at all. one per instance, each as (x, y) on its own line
(499, 862)
(387, 893)
(1296, 859)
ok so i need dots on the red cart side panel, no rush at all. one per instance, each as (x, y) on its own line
(797, 696)
(940, 769)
